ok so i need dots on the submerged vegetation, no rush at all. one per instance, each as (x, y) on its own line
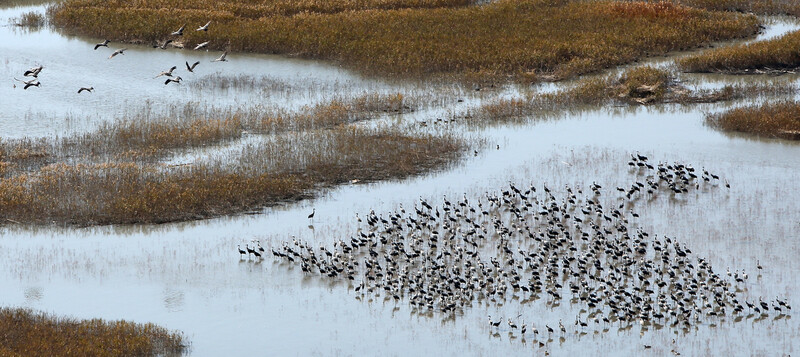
(538, 39)
(28, 333)
(29, 19)
(771, 56)
(777, 120)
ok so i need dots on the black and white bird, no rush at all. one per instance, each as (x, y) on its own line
(162, 46)
(191, 68)
(167, 73)
(179, 32)
(89, 89)
(201, 45)
(176, 80)
(204, 27)
(33, 72)
(102, 44)
(221, 58)
(34, 83)
(120, 51)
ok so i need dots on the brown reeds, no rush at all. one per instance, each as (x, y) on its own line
(770, 56)
(115, 175)
(635, 86)
(282, 167)
(776, 120)
(528, 39)
(29, 19)
(762, 7)
(27, 333)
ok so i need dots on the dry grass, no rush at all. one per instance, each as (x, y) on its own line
(538, 39)
(639, 85)
(762, 7)
(28, 333)
(777, 120)
(144, 137)
(283, 167)
(29, 19)
(115, 174)
(778, 54)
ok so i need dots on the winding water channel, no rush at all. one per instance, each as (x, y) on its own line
(188, 276)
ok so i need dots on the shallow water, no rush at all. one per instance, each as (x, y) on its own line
(188, 276)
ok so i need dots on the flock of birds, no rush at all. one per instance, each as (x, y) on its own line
(35, 71)
(530, 246)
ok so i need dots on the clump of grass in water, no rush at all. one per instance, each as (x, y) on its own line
(777, 120)
(639, 85)
(541, 40)
(770, 56)
(29, 333)
(29, 19)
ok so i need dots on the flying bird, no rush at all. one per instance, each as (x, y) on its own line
(90, 89)
(191, 68)
(176, 80)
(102, 44)
(179, 32)
(33, 83)
(167, 73)
(33, 72)
(204, 27)
(120, 51)
(199, 46)
(221, 58)
(162, 46)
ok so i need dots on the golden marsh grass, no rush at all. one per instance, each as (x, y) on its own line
(635, 86)
(538, 39)
(281, 167)
(778, 54)
(29, 333)
(776, 120)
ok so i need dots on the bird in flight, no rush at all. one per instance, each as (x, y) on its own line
(179, 32)
(167, 73)
(221, 58)
(120, 51)
(176, 80)
(191, 68)
(33, 72)
(204, 27)
(90, 89)
(199, 46)
(102, 44)
(31, 83)
(162, 46)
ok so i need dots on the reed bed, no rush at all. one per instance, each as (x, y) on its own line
(29, 19)
(639, 85)
(538, 39)
(775, 120)
(282, 167)
(770, 56)
(29, 333)
(762, 7)
(146, 137)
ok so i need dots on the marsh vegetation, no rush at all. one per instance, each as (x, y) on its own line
(771, 119)
(285, 151)
(30, 333)
(540, 40)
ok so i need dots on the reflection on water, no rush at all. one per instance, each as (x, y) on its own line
(189, 276)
